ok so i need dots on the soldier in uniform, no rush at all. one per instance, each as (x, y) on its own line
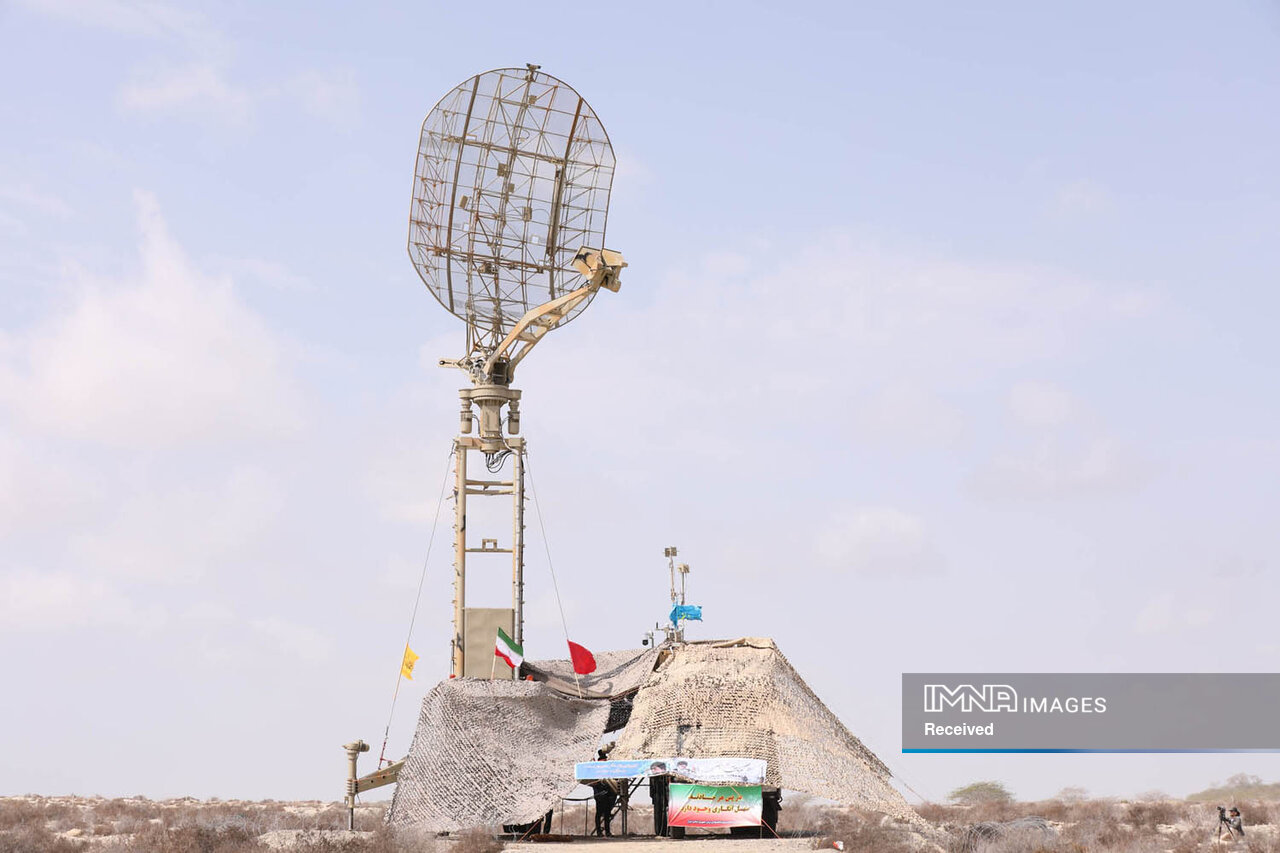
(605, 793)
(771, 804)
(659, 793)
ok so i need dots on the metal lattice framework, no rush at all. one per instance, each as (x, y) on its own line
(512, 179)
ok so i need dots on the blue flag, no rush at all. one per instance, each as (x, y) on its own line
(680, 612)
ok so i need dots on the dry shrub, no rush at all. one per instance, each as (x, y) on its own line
(801, 814)
(572, 818)
(1095, 811)
(944, 815)
(1025, 835)
(1097, 833)
(1258, 811)
(191, 838)
(258, 818)
(15, 813)
(387, 840)
(1255, 844)
(862, 833)
(1055, 810)
(1149, 815)
(32, 838)
(134, 808)
(1186, 842)
(1023, 841)
(936, 813)
(477, 841)
(1073, 794)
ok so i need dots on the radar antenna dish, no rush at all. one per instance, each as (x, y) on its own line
(510, 202)
(506, 229)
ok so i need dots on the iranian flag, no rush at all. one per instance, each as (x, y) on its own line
(507, 649)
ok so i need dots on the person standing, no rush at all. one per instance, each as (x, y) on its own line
(605, 793)
(660, 794)
(770, 805)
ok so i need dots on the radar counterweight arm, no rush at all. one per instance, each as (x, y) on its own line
(601, 269)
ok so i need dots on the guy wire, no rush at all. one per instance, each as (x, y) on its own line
(416, 600)
(547, 545)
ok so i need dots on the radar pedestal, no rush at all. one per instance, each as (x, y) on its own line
(475, 627)
(491, 369)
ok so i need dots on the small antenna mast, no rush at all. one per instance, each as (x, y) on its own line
(675, 630)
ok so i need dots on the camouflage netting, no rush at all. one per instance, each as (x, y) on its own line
(743, 698)
(502, 752)
(617, 673)
(487, 753)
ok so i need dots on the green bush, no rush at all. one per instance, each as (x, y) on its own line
(976, 793)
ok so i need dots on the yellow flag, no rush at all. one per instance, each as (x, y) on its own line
(406, 666)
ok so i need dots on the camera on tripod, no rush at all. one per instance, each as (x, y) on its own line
(1230, 822)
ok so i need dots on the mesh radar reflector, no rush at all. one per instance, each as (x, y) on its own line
(506, 229)
(512, 182)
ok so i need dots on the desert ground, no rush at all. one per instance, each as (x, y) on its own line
(36, 824)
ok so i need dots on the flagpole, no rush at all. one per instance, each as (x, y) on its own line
(555, 585)
(413, 617)
(386, 735)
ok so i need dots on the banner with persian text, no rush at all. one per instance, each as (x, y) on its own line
(714, 806)
(745, 771)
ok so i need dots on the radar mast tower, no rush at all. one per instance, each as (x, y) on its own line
(506, 229)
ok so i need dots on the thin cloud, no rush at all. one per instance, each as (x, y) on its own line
(1082, 198)
(1165, 614)
(910, 416)
(876, 540)
(871, 340)
(204, 90)
(1041, 404)
(139, 18)
(201, 88)
(167, 357)
(60, 601)
(299, 641)
(1058, 467)
(332, 95)
(173, 533)
(272, 274)
(40, 201)
(630, 172)
(1067, 453)
(202, 84)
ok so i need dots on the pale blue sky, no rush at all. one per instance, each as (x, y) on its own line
(948, 332)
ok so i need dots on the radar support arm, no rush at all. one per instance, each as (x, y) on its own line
(601, 269)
